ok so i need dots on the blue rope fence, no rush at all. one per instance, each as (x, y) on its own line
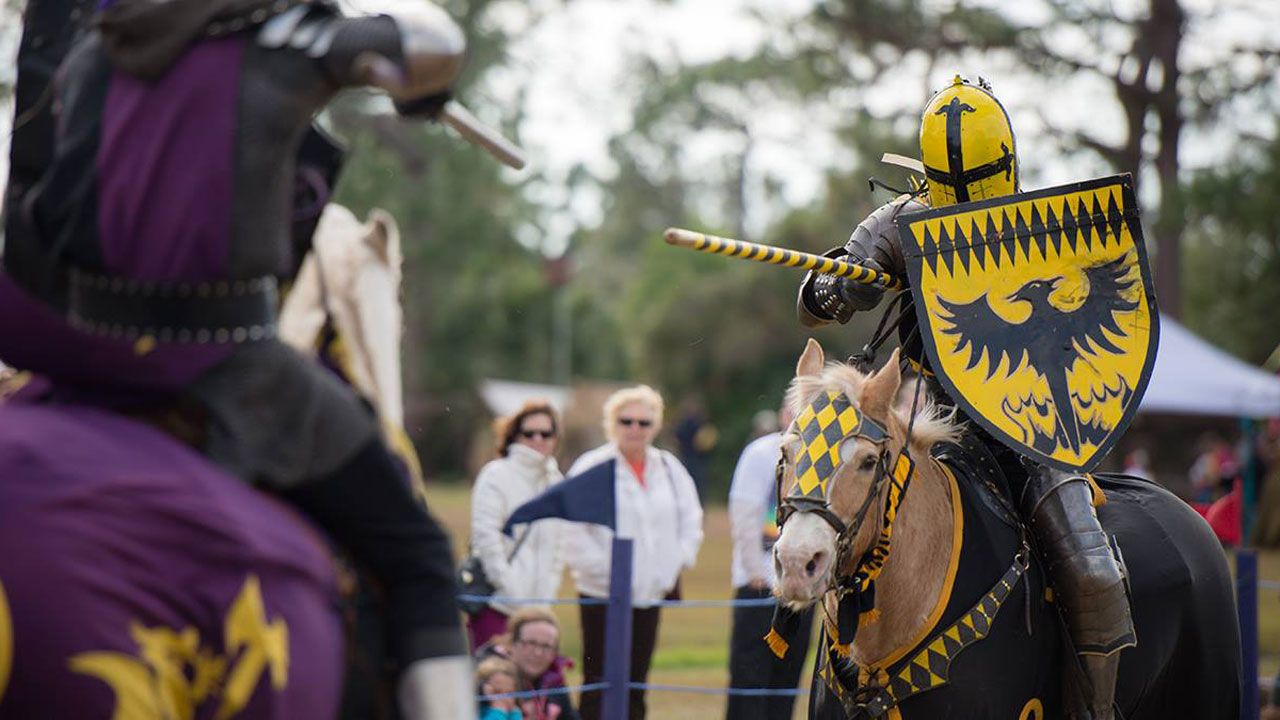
(513, 602)
(698, 690)
(526, 694)
(617, 661)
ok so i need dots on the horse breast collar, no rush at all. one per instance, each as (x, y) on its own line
(823, 426)
(929, 666)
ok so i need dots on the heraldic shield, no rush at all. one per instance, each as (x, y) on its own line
(1038, 315)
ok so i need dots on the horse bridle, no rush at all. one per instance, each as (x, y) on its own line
(826, 424)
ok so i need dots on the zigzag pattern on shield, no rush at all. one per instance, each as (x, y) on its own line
(1005, 237)
(1037, 312)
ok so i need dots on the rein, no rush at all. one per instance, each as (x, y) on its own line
(824, 426)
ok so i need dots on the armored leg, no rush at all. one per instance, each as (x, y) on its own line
(1086, 577)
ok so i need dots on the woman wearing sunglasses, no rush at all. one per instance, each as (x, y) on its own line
(657, 507)
(526, 566)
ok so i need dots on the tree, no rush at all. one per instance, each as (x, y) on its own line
(477, 302)
(1234, 250)
(1142, 56)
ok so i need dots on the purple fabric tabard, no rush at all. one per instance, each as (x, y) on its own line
(165, 167)
(34, 337)
(135, 571)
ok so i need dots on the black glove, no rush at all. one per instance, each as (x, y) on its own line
(826, 298)
(857, 295)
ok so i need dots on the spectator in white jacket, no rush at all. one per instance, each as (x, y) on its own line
(657, 508)
(530, 564)
(753, 513)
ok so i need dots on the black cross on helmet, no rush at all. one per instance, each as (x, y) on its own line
(967, 145)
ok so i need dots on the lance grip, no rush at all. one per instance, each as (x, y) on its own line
(780, 256)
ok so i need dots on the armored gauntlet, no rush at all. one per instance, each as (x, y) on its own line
(874, 243)
(414, 55)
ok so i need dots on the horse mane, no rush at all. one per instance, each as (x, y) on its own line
(933, 424)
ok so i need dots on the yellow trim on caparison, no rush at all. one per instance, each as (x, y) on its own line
(953, 565)
(6, 642)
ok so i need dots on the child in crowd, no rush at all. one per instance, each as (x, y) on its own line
(495, 676)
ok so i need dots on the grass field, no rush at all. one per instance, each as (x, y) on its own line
(694, 643)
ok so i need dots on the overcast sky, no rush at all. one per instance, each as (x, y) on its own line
(572, 66)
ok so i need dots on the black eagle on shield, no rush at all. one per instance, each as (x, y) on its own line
(1047, 332)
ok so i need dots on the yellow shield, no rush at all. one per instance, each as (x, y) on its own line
(1038, 314)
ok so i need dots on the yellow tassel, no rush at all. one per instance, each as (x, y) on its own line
(1099, 497)
(777, 644)
(842, 650)
(869, 617)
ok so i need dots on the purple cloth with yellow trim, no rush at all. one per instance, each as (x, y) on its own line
(136, 574)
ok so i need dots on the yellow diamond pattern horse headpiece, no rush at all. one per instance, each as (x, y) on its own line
(1038, 314)
(823, 425)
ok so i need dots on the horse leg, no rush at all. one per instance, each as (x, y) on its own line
(1086, 577)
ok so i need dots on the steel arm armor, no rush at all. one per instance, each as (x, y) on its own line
(825, 298)
(414, 56)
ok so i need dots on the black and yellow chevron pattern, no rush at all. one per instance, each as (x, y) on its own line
(929, 668)
(1038, 315)
(1003, 237)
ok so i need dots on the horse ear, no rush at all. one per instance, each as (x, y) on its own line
(880, 389)
(811, 360)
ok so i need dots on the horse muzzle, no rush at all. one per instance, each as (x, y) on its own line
(803, 559)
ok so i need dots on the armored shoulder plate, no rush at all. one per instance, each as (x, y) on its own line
(310, 28)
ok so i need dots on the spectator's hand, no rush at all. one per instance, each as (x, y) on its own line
(758, 584)
(503, 704)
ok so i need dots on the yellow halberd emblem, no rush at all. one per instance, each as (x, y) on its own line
(1038, 315)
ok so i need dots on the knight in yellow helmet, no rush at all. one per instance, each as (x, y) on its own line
(967, 145)
(969, 153)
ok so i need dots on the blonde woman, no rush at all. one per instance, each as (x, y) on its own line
(525, 466)
(657, 508)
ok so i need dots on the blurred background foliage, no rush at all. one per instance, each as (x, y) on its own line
(1190, 111)
(482, 296)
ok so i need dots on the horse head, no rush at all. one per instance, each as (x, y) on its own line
(834, 457)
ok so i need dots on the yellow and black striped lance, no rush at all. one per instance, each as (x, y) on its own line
(780, 256)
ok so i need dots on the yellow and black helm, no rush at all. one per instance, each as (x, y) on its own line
(967, 145)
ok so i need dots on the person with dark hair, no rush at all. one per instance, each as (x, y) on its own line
(528, 565)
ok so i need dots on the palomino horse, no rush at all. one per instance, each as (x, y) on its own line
(963, 625)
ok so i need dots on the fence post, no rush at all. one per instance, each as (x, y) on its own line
(617, 634)
(1247, 605)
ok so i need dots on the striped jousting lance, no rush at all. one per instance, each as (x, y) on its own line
(780, 256)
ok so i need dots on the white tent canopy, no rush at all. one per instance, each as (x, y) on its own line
(1192, 377)
(505, 397)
